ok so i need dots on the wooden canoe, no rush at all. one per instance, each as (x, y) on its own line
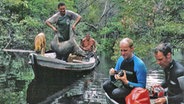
(48, 66)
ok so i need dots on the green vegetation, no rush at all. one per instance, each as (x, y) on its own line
(146, 22)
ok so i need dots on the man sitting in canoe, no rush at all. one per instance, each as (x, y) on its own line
(131, 72)
(174, 75)
(88, 44)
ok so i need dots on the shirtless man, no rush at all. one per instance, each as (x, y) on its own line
(88, 44)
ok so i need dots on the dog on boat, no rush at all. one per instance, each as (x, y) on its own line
(40, 43)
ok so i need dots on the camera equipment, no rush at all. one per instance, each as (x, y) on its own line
(116, 72)
(121, 73)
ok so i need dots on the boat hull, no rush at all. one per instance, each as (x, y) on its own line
(48, 67)
(110, 100)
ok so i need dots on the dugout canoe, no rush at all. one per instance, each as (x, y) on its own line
(48, 66)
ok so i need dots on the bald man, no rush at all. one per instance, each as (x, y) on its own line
(134, 71)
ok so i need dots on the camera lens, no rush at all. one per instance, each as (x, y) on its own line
(116, 72)
(121, 73)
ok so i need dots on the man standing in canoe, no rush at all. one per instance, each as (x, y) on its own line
(62, 19)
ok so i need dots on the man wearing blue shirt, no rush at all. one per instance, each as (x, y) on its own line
(134, 71)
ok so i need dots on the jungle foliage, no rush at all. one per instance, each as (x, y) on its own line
(146, 22)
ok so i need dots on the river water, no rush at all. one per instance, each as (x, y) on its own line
(84, 90)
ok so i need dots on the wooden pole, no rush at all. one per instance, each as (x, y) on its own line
(18, 50)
